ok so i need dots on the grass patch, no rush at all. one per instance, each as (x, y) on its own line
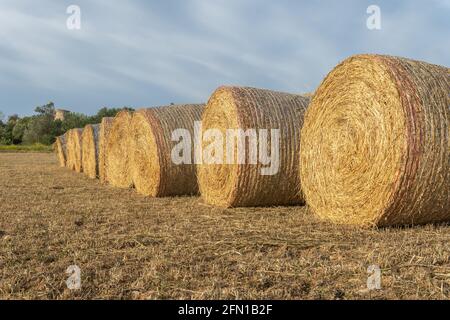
(26, 148)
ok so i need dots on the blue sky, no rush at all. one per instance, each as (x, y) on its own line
(149, 53)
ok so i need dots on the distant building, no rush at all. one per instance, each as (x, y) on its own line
(60, 114)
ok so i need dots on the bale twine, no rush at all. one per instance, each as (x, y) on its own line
(105, 127)
(118, 151)
(243, 184)
(74, 150)
(375, 143)
(60, 149)
(154, 173)
(90, 150)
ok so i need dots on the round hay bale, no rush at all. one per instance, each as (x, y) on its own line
(118, 151)
(154, 173)
(105, 127)
(375, 143)
(60, 149)
(90, 150)
(74, 150)
(242, 183)
(68, 159)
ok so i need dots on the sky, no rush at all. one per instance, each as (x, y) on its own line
(153, 53)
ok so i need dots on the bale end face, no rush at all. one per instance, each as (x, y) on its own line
(105, 127)
(90, 150)
(218, 182)
(146, 162)
(248, 111)
(375, 143)
(61, 150)
(74, 150)
(118, 146)
(154, 171)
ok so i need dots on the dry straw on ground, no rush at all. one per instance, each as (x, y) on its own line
(90, 150)
(175, 248)
(60, 149)
(235, 185)
(154, 173)
(118, 151)
(105, 127)
(74, 150)
(375, 143)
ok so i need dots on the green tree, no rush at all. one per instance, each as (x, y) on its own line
(106, 112)
(2, 131)
(8, 129)
(79, 120)
(40, 128)
(74, 120)
(46, 110)
(20, 128)
(2, 127)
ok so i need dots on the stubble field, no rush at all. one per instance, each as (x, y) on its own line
(131, 247)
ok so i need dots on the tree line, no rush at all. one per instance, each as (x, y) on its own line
(42, 128)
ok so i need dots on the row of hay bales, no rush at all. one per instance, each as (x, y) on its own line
(371, 149)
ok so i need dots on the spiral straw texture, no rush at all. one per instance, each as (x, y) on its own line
(105, 127)
(60, 148)
(118, 149)
(90, 150)
(375, 143)
(74, 150)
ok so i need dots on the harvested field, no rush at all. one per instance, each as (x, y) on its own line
(143, 248)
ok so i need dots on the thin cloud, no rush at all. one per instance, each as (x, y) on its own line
(141, 53)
